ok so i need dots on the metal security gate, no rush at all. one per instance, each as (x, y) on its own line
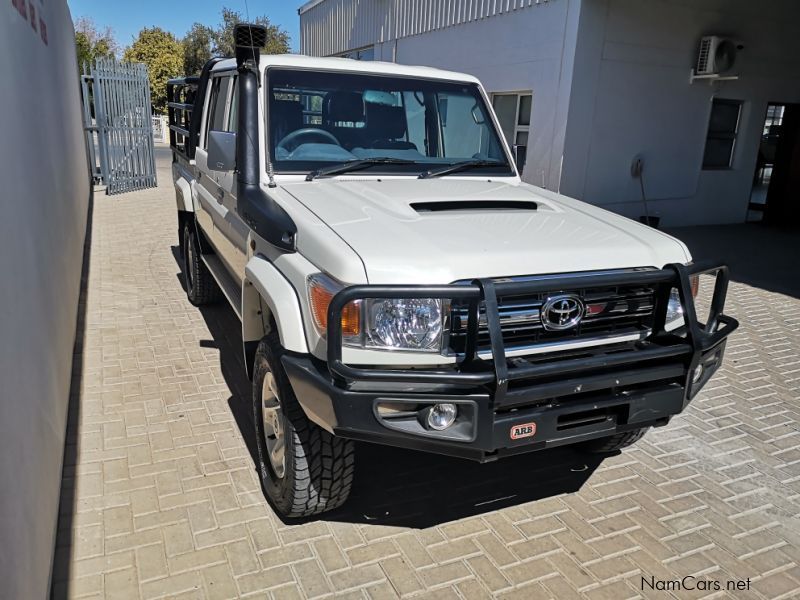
(117, 121)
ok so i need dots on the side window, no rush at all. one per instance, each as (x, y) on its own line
(217, 103)
(312, 109)
(232, 110)
(212, 103)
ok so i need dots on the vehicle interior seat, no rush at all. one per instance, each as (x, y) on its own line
(386, 127)
(343, 116)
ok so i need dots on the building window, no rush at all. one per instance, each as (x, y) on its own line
(514, 113)
(723, 125)
(367, 53)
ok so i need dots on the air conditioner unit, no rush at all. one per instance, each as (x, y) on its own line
(715, 56)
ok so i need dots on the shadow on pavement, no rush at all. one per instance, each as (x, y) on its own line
(403, 487)
(758, 255)
(62, 558)
(415, 489)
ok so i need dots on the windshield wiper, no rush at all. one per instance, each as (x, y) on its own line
(461, 166)
(355, 165)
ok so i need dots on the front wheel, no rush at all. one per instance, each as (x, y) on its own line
(613, 443)
(304, 470)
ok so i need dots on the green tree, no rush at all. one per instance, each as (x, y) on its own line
(277, 38)
(197, 48)
(92, 43)
(163, 55)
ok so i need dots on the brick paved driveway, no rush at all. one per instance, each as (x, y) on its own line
(160, 497)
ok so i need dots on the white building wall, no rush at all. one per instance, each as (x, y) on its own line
(610, 81)
(527, 48)
(631, 95)
(43, 204)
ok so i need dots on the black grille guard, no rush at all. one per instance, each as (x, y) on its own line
(699, 340)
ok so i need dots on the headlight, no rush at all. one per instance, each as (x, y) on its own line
(414, 324)
(404, 323)
(675, 316)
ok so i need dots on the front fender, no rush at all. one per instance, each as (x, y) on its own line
(183, 190)
(267, 293)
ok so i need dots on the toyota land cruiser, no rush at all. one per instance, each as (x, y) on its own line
(398, 283)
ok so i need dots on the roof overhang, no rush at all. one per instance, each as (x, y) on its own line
(308, 6)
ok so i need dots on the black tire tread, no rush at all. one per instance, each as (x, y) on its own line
(205, 289)
(322, 465)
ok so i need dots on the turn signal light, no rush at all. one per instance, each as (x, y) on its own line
(320, 295)
(351, 319)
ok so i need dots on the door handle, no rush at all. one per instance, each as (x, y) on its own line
(220, 195)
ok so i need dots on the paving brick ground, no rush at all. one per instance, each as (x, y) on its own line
(160, 496)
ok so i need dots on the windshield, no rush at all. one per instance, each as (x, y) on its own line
(319, 118)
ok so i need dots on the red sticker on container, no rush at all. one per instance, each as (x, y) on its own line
(525, 430)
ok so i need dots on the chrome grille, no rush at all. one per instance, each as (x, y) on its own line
(609, 311)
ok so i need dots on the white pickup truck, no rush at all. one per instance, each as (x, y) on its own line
(398, 283)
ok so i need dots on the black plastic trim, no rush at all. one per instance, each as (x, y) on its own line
(268, 219)
(351, 413)
(458, 205)
(699, 341)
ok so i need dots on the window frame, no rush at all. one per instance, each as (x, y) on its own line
(508, 169)
(209, 107)
(731, 136)
(231, 127)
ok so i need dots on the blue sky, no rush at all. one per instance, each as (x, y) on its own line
(127, 17)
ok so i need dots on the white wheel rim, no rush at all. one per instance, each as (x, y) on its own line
(272, 419)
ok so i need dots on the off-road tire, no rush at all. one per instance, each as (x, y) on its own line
(613, 443)
(200, 285)
(318, 469)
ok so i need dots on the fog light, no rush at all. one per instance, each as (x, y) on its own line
(441, 416)
(698, 373)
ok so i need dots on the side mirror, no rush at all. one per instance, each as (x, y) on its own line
(221, 150)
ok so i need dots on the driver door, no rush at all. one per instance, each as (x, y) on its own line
(211, 183)
(236, 231)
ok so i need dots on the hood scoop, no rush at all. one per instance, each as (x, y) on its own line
(473, 205)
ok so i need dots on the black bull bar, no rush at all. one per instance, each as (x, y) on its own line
(592, 372)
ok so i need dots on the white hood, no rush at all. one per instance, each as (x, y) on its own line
(399, 244)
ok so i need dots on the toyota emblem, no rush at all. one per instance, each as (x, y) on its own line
(562, 312)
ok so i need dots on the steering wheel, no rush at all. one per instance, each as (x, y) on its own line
(306, 135)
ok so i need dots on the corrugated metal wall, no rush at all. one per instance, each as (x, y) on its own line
(335, 26)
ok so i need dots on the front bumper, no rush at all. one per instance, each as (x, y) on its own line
(511, 406)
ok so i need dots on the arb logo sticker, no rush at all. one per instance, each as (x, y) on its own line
(523, 431)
